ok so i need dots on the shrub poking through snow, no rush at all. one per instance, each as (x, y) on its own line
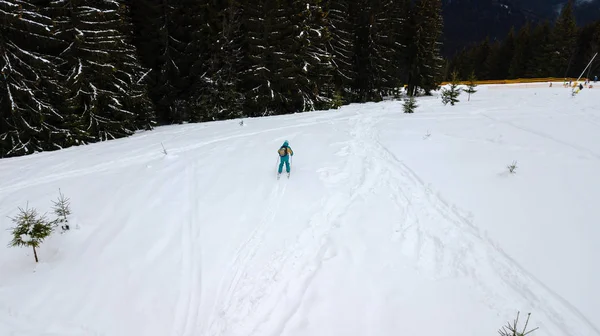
(511, 329)
(62, 211)
(512, 167)
(410, 104)
(31, 230)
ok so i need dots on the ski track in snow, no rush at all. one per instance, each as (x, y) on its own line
(471, 253)
(258, 296)
(189, 297)
(142, 158)
(264, 291)
(443, 241)
(546, 136)
(234, 291)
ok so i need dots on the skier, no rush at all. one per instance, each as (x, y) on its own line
(284, 158)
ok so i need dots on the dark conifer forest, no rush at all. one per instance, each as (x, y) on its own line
(76, 72)
(560, 49)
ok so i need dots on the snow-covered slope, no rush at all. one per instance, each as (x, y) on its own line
(391, 224)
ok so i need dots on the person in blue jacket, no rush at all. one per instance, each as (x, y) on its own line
(284, 157)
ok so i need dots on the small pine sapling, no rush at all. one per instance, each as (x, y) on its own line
(471, 85)
(30, 230)
(337, 101)
(451, 95)
(62, 210)
(511, 329)
(410, 104)
(512, 167)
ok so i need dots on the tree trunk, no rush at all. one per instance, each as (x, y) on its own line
(35, 254)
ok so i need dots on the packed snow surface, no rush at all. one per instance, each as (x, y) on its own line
(390, 224)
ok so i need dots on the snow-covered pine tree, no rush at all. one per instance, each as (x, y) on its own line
(217, 94)
(341, 48)
(62, 211)
(285, 66)
(261, 91)
(195, 27)
(378, 45)
(30, 230)
(424, 61)
(134, 74)
(410, 104)
(400, 11)
(104, 76)
(314, 76)
(366, 65)
(451, 95)
(30, 84)
(162, 34)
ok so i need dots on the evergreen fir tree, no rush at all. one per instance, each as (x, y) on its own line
(563, 41)
(494, 61)
(196, 30)
(262, 85)
(518, 63)
(479, 59)
(287, 63)
(539, 65)
(401, 11)
(471, 85)
(364, 83)
(217, 95)
(30, 230)
(62, 211)
(315, 76)
(161, 36)
(586, 47)
(424, 59)
(410, 104)
(30, 83)
(461, 63)
(451, 95)
(341, 46)
(103, 72)
(507, 52)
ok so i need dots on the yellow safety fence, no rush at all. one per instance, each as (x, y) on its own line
(521, 80)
